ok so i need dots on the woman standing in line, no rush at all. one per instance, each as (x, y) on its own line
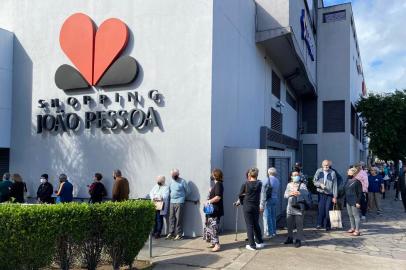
(160, 197)
(213, 219)
(18, 189)
(297, 195)
(253, 203)
(353, 197)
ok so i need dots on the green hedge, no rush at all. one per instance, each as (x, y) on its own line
(34, 236)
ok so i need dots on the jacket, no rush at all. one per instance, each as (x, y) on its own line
(97, 191)
(161, 193)
(121, 189)
(65, 193)
(44, 193)
(331, 182)
(302, 197)
(353, 191)
(17, 191)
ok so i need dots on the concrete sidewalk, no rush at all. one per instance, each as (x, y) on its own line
(382, 245)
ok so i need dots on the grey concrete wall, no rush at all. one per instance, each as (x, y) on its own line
(6, 86)
(172, 42)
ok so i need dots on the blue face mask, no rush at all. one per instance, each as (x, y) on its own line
(296, 178)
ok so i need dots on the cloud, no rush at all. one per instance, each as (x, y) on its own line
(381, 35)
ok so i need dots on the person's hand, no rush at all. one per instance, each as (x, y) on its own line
(334, 200)
(322, 186)
(293, 193)
(261, 210)
(383, 190)
(357, 205)
(207, 202)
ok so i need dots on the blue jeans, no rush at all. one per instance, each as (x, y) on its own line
(159, 222)
(325, 205)
(270, 216)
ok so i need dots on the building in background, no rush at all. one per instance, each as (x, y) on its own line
(243, 83)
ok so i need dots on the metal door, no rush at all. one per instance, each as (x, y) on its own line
(282, 166)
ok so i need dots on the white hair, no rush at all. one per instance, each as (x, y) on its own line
(272, 171)
(175, 171)
(160, 179)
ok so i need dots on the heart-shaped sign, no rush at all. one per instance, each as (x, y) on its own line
(77, 42)
(111, 39)
(92, 55)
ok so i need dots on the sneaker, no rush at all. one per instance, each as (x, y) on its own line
(318, 227)
(363, 217)
(260, 245)
(298, 243)
(178, 237)
(250, 248)
(216, 248)
(288, 241)
(169, 236)
(273, 235)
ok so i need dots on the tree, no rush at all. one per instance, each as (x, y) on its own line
(384, 116)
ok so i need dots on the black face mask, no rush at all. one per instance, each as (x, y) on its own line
(175, 177)
(159, 184)
(211, 178)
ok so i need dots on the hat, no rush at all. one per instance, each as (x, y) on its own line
(44, 176)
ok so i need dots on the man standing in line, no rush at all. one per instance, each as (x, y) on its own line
(121, 187)
(325, 180)
(178, 189)
(271, 193)
(45, 190)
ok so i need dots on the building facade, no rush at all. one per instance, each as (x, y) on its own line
(228, 84)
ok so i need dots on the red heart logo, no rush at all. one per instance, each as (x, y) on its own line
(91, 56)
(77, 39)
(111, 39)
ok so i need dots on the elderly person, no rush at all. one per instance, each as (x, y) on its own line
(213, 219)
(297, 195)
(121, 187)
(271, 188)
(353, 195)
(362, 176)
(376, 187)
(160, 196)
(253, 203)
(65, 190)
(178, 190)
(325, 180)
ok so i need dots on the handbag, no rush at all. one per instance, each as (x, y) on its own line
(335, 217)
(208, 209)
(300, 205)
(159, 205)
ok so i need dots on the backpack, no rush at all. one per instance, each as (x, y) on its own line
(268, 190)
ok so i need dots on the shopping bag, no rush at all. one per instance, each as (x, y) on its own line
(335, 218)
(159, 205)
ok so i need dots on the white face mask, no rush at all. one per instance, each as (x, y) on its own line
(43, 180)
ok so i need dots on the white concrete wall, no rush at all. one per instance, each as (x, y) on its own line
(242, 82)
(172, 42)
(272, 14)
(241, 79)
(6, 86)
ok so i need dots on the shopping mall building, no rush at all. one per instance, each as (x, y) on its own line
(146, 86)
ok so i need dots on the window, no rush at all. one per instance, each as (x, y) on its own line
(334, 116)
(309, 116)
(334, 16)
(353, 120)
(276, 121)
(4, 160)
(291, 100)
(309, 163)
(276, 85)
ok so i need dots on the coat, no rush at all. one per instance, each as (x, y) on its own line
(121, 189)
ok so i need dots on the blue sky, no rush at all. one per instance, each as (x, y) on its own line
(382, 39)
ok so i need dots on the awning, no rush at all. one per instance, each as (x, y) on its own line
(280, 47)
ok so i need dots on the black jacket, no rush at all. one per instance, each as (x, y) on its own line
(353, 191)
(17, 191)
(44, 193)
(250, 194)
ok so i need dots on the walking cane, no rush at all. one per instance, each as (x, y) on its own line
(236, 221)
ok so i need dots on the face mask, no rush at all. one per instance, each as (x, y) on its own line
(211, 178)
(175, 177)
(296, 178)
(42, 180)
(159, 184)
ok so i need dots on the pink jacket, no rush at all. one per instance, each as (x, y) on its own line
(362, 176)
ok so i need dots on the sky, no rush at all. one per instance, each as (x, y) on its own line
(381, 31)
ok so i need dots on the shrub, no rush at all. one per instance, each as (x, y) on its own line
(126, 230)
(31, 236)
(27, 236)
